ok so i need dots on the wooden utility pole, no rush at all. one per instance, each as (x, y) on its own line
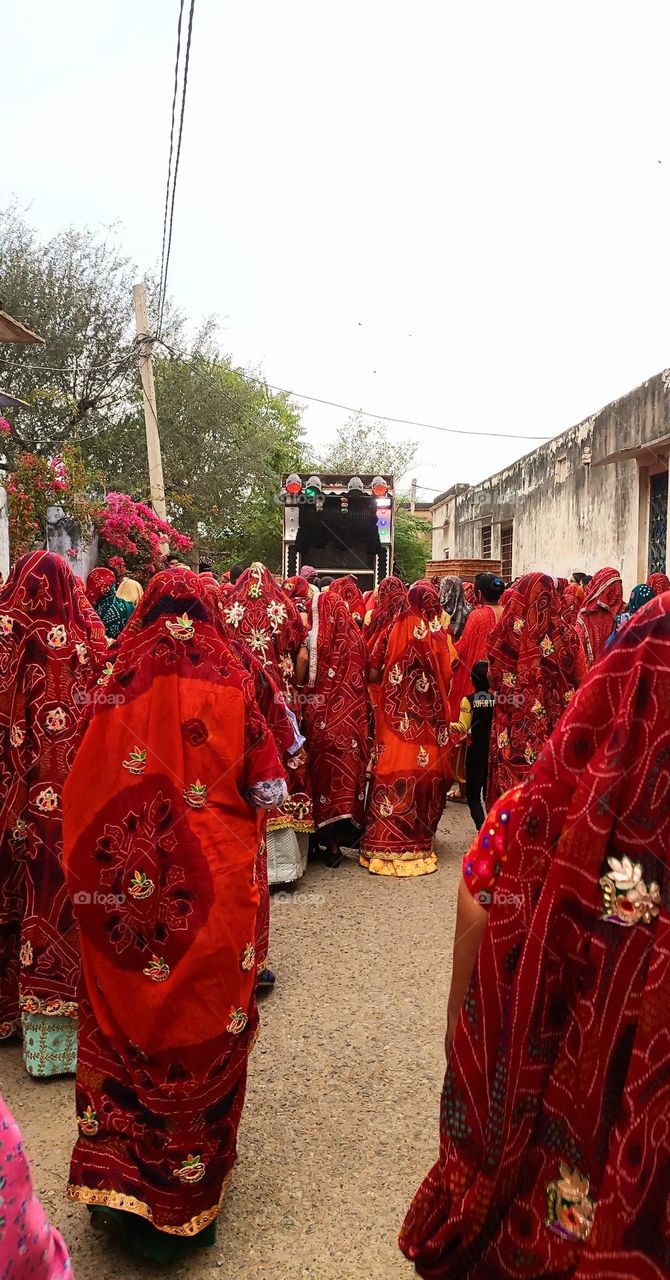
(412, 505)
(145, 351)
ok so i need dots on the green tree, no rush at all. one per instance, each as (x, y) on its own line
(365, 447)
(225, 439)
(411, 542)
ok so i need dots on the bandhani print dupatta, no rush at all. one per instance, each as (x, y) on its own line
(52, 645)
(160, 851)
(337, 713)
(411, 754)
(535, 664)
(596, 619)
(259, 612)
(555, 1117)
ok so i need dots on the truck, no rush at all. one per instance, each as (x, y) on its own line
(339, 524)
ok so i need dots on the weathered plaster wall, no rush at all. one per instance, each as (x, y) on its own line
(575, 501)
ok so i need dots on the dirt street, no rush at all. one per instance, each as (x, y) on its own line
(341, 1117)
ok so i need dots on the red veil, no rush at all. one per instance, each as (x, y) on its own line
(160, 852)
(555, 1119)
(659, 582)
(411, 739)
(259, 612)
(389, 601)
(348, 590)
(596, 619)
(51, 645)
(337, 713)
(535, 664)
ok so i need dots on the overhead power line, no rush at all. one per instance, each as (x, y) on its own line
(406, 422)
(168, 248)
(169, 171)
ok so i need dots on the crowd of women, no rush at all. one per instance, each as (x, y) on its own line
(167, 754)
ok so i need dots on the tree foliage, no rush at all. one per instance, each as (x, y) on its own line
(411, 543)
(365, 447)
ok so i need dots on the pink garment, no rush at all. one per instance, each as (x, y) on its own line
(30, 1248)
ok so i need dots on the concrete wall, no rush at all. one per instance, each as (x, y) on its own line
(64, 537)
(579, 501)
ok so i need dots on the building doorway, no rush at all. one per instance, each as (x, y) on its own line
(658, 521)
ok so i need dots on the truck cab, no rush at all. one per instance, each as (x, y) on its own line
(339, 524)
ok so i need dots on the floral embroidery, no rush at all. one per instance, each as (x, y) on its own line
(546, 647)
(286, 667)
(6, 624)
(503, 739)
(47, 800)
(192, 1170)
(56, 719)
(423, 683)
(234, 614)
(509, 678)
(20, 831)
(420, 630)
(248, 957)
(530, 755)
(331, 673)
(57, 637)
(435, 625)
(26, 954)
(626, 898)
(136, 762)
(386, 808)
(568, 696)
(422, 758)
(182, 629)
(569, 1206)
(82, 654)
(196, 794)
(518, 626)
(157, 969)
(395, 674)
(16, 736)
(258, 641)
(443, 737)
(140, 885)
(238, 1021)
(404, 722)
(276, 612)
(88, 1124)
(538, 710)
(106, 673)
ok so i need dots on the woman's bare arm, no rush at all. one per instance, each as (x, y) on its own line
(470, 926)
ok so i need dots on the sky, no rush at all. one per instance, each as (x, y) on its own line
(453, 213)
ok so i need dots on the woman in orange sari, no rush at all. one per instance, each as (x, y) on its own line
(412, 663)
(161, 835)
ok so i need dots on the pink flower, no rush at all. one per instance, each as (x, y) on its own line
(5, 427)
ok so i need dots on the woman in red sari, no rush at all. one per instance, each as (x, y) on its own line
(659, 582)
(389, 600)
(555, 1121)
(473, 644)
(161, 834)
(337, 722)
(348, 590)
(303, 594)
(259, 612)
(52, 645)
(596, 619)
(535, 665)
(412, 663)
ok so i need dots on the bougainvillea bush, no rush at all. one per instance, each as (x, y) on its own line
(39, 483)
(132, 537)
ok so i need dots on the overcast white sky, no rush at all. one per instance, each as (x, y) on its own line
(434, 210)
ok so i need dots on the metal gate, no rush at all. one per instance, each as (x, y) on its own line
(658, 521)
